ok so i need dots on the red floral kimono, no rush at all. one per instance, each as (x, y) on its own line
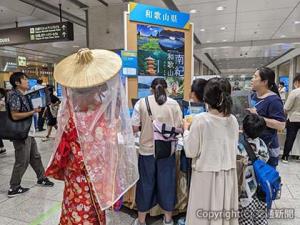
(79, 205)
(94, 152)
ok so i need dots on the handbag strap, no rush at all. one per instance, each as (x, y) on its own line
(248, 148)
(22, 105)
(148, 108)
(170, 133)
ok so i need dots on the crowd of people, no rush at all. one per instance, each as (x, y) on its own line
(211, 139)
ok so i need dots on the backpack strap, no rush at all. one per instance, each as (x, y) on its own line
(148, 108)
(248, 148)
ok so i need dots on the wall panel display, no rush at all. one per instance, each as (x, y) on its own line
(175, 86)
(160, 51)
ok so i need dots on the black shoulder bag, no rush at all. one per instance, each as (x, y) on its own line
(163, 137)
(13, 129)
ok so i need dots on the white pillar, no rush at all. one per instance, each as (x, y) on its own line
(277, 74)
(293, 63)
(106, 26)
(201, 68)
(196, 67)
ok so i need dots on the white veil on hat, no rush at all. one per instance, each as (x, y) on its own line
(105, 135)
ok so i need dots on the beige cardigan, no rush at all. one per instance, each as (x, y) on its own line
(212, 142)
(292, 105)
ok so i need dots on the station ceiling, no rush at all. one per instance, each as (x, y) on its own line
(238, 35)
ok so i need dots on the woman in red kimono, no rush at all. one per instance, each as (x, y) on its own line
(94, 150)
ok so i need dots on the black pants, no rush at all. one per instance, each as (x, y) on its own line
(1, 143)
(41, 120)
(291, 134)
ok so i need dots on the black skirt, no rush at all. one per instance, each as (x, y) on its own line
(51, 121)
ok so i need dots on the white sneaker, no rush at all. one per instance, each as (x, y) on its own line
(45, 139)
(170, 223)
(137, 222)
(284, 161)
(2, 151)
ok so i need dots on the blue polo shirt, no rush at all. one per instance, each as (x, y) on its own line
(270, 107)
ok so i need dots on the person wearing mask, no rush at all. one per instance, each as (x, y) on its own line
(196, 104)
(267, 103)
(2, 108)
(26, 151)
(51, 112)
(157, 183)
(196, 96)
(197, 90)
(292, 108)
(282, 91)
(211, 140)
(40, 119)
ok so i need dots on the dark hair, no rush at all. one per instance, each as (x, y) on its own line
(217, 95)
(39, 81)
(282, 83)
(50, 90)
(253, 125)
(296, 78)
(268, 74)
(158, 86)
(16, 77)
(225, 84)
(198, 88)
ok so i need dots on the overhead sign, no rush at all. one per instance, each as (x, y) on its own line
(37, 34)
(154, 15)
(129, 59)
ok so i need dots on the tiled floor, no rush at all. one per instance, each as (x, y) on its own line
(42, 205)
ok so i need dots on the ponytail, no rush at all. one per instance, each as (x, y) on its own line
(274, 88)
(158, 87)
(225, 106)
(160, 94)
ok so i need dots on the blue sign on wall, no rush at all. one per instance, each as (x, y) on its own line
(59, 90)
(154, 15)
(32, 82)
(285, 80)
(129, 60)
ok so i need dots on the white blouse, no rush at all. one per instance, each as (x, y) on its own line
(212, 142)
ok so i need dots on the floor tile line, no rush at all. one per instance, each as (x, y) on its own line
(290, 191)
(42, 217)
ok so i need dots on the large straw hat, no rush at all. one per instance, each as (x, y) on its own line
(87, 68)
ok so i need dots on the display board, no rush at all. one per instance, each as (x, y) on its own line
(165, 48)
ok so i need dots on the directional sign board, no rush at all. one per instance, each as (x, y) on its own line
(43, 33)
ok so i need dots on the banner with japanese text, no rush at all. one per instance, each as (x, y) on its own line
(159, 16)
